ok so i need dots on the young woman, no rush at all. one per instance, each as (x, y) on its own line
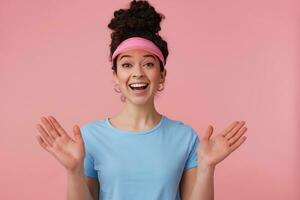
(139, 154)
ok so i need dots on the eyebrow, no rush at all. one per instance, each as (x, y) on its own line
(148, 55)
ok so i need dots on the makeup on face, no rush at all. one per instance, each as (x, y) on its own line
(129, 61)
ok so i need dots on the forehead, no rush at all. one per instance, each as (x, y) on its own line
(136, 53)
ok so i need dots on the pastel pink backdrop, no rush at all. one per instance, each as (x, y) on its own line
(229, 60)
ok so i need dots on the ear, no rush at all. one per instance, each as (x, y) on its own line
(163, 76)
(115, 77)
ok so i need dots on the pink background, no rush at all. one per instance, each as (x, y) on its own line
(229, 60)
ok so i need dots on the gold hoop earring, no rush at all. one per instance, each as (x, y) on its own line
(161, 89)
(118, 90)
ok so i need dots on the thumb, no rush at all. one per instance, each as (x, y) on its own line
(77, 134)
(208, 132)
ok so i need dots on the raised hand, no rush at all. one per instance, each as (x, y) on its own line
(211, 151)
(55, 140)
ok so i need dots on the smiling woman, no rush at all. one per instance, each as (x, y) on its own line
(138, 75)
(139, 153)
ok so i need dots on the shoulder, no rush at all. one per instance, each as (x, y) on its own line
(181, 127)
(90, 128)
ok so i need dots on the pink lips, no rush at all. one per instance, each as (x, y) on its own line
(138, 91)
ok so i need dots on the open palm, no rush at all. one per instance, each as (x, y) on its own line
(55, 140)
(213, 150)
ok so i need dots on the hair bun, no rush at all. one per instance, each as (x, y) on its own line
(139, 20)
(140, 17)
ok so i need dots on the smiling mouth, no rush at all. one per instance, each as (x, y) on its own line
(139, 88)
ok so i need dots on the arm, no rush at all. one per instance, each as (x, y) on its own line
(81, 187)
(94, 186)
(197, 184)
(204, 184)
(187, 183)
(70, 153)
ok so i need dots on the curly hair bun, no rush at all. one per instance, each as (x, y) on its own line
(139, 20)
(141, 16)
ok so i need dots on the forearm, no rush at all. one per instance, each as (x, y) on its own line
(204, 184)
(77, 188)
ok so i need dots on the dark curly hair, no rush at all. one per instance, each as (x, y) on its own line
(140, 20)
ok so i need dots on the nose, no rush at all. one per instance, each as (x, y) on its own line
(138, 71)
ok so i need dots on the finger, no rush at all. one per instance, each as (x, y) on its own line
(51, 122)
(237, 136)
(208, 133)
(229, 128)
(51, 130)
(42, 143)
(46, 138)
(77, 134)
(238, 143)
(61, 131)
(235, 130)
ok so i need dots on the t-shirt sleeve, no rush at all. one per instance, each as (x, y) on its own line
(192, 160)
(88, 167)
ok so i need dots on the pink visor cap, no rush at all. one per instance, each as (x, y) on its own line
(138, 43)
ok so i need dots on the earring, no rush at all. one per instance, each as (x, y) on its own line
(123, 98)
(161, 89)
(117, 89)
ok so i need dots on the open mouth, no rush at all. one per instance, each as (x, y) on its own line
(138, 86)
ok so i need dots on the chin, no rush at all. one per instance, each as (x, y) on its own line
(139, 100)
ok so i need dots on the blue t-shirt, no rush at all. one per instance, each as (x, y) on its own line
(139, 165)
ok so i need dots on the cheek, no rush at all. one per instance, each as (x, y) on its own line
(153, 75)
(123, 78)
(155, 78)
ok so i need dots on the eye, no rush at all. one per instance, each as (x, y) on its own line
(125, 65)
(151, 64)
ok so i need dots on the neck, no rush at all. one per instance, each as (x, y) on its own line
(140, 116)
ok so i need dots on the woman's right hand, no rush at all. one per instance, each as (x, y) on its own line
(55, 140)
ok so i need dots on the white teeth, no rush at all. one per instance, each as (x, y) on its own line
(138, 84)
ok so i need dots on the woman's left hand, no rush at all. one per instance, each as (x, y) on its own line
(211, 151)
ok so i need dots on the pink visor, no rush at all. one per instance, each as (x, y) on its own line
(138, 43)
